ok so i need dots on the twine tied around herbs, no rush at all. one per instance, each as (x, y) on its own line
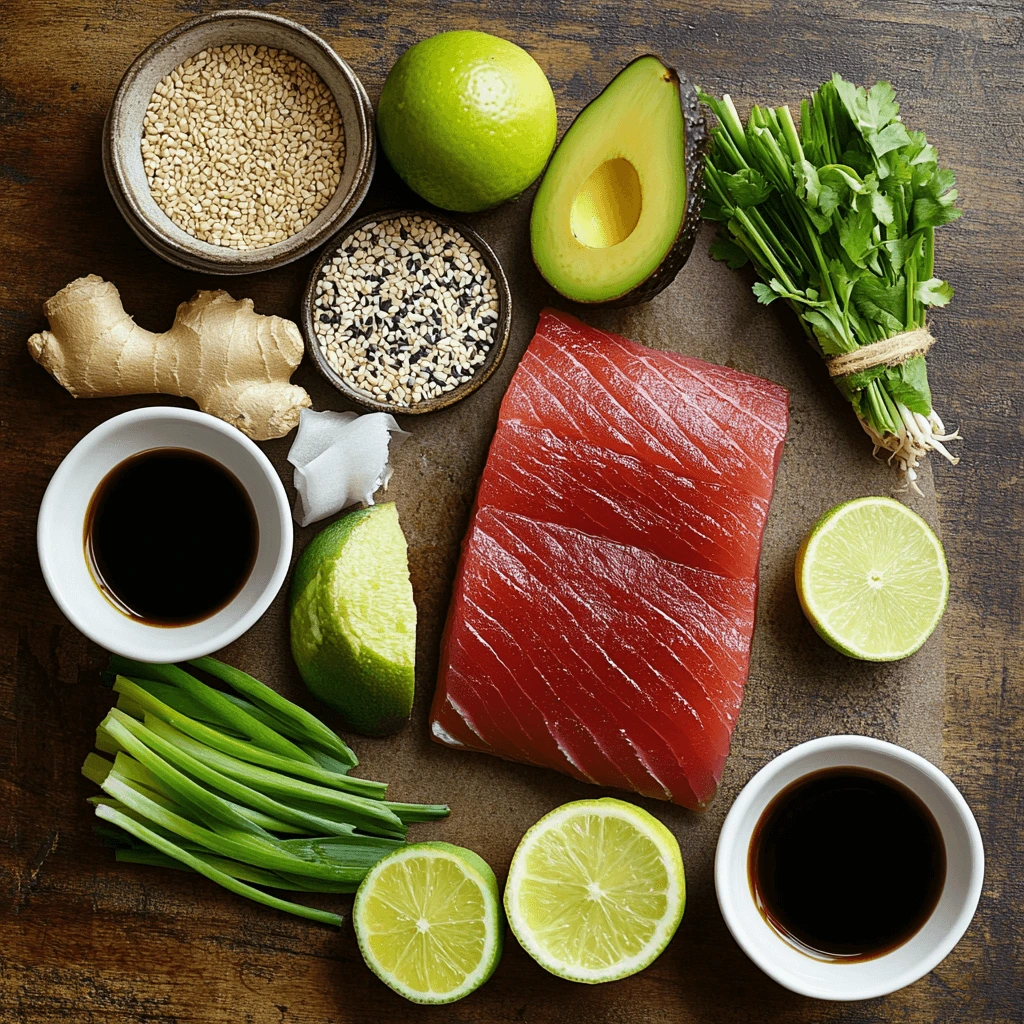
(892, 351)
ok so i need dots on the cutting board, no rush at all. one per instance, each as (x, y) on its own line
(799, 688)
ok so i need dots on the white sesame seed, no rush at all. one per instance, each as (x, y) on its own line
(245, 123)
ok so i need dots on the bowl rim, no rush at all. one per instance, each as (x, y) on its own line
(223, 259)
(766, 784)
(49, 515)
(483, 373)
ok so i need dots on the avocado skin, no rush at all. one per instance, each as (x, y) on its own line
(696, 146)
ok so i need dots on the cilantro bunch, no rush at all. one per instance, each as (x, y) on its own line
(838, 218)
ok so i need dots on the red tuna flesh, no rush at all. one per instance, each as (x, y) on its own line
(604, 602)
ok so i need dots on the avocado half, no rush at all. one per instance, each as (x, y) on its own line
(618, 209)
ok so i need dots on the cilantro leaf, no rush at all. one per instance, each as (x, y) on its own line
(933, 292)
(881, 207)
(909, 384)
(870, 110)
(902, 250)
(829, 199)
(855, 235)
(885, 304)
(881, 104)
(892, 137)
(842, 280)
(764, 294)
(829, 328)
(932, 213)
(747, 187)
(727, 251)
(808, 186)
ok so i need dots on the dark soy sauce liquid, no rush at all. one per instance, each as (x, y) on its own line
(847, 863)
(171, 536)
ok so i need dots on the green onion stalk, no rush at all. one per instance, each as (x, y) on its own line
(239, 785)
(838, 218)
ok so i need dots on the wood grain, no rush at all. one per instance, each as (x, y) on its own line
(84, 941)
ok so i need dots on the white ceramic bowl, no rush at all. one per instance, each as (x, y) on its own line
(965, 870)
(61, 526)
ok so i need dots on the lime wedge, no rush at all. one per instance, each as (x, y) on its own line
(353, 620)
(872, 579)
(428, 922)
(596, 890)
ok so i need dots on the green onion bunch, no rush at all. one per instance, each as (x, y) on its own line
(838, 218)
(239, 785)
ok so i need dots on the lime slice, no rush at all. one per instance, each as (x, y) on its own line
(596, 890)
(428, 922)
(872, 579)
(353, 620)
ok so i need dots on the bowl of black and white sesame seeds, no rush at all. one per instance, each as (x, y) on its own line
(237, 142)
(407, 312)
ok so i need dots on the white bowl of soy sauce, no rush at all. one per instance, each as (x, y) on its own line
(164, 534)
(848, 868)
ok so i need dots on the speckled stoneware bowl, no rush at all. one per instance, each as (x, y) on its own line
(122, 140)
(494, 355)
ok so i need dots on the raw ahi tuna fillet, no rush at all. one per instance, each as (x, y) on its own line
(604, 603)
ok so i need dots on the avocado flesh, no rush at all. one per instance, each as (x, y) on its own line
(615, 215)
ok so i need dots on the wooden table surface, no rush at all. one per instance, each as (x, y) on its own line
(83, 940)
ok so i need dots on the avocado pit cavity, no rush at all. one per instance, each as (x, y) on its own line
(607, 208)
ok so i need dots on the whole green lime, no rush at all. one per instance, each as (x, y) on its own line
(467, 119)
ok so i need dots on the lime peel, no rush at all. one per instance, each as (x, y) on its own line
(353, 619)
(467, 119)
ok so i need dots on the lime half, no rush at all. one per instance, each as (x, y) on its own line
(872, 579)
(353, 620)
(428, 921)
(596, 890)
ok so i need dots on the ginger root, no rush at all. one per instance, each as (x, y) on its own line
(233, 362)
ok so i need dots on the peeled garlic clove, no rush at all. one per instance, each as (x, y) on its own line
(340, 459)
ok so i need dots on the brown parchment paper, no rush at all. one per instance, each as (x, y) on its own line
(799, 688)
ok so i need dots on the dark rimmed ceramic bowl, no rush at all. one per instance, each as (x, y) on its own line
(122, 140)
(494, 355)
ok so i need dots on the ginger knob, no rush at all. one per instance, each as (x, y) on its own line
(231, 361)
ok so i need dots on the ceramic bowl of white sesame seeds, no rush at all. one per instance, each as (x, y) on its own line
(238, 142)
(407, 312)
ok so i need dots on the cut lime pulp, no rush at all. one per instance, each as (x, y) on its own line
(428, 921)
(872, 579)
(596, 890)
